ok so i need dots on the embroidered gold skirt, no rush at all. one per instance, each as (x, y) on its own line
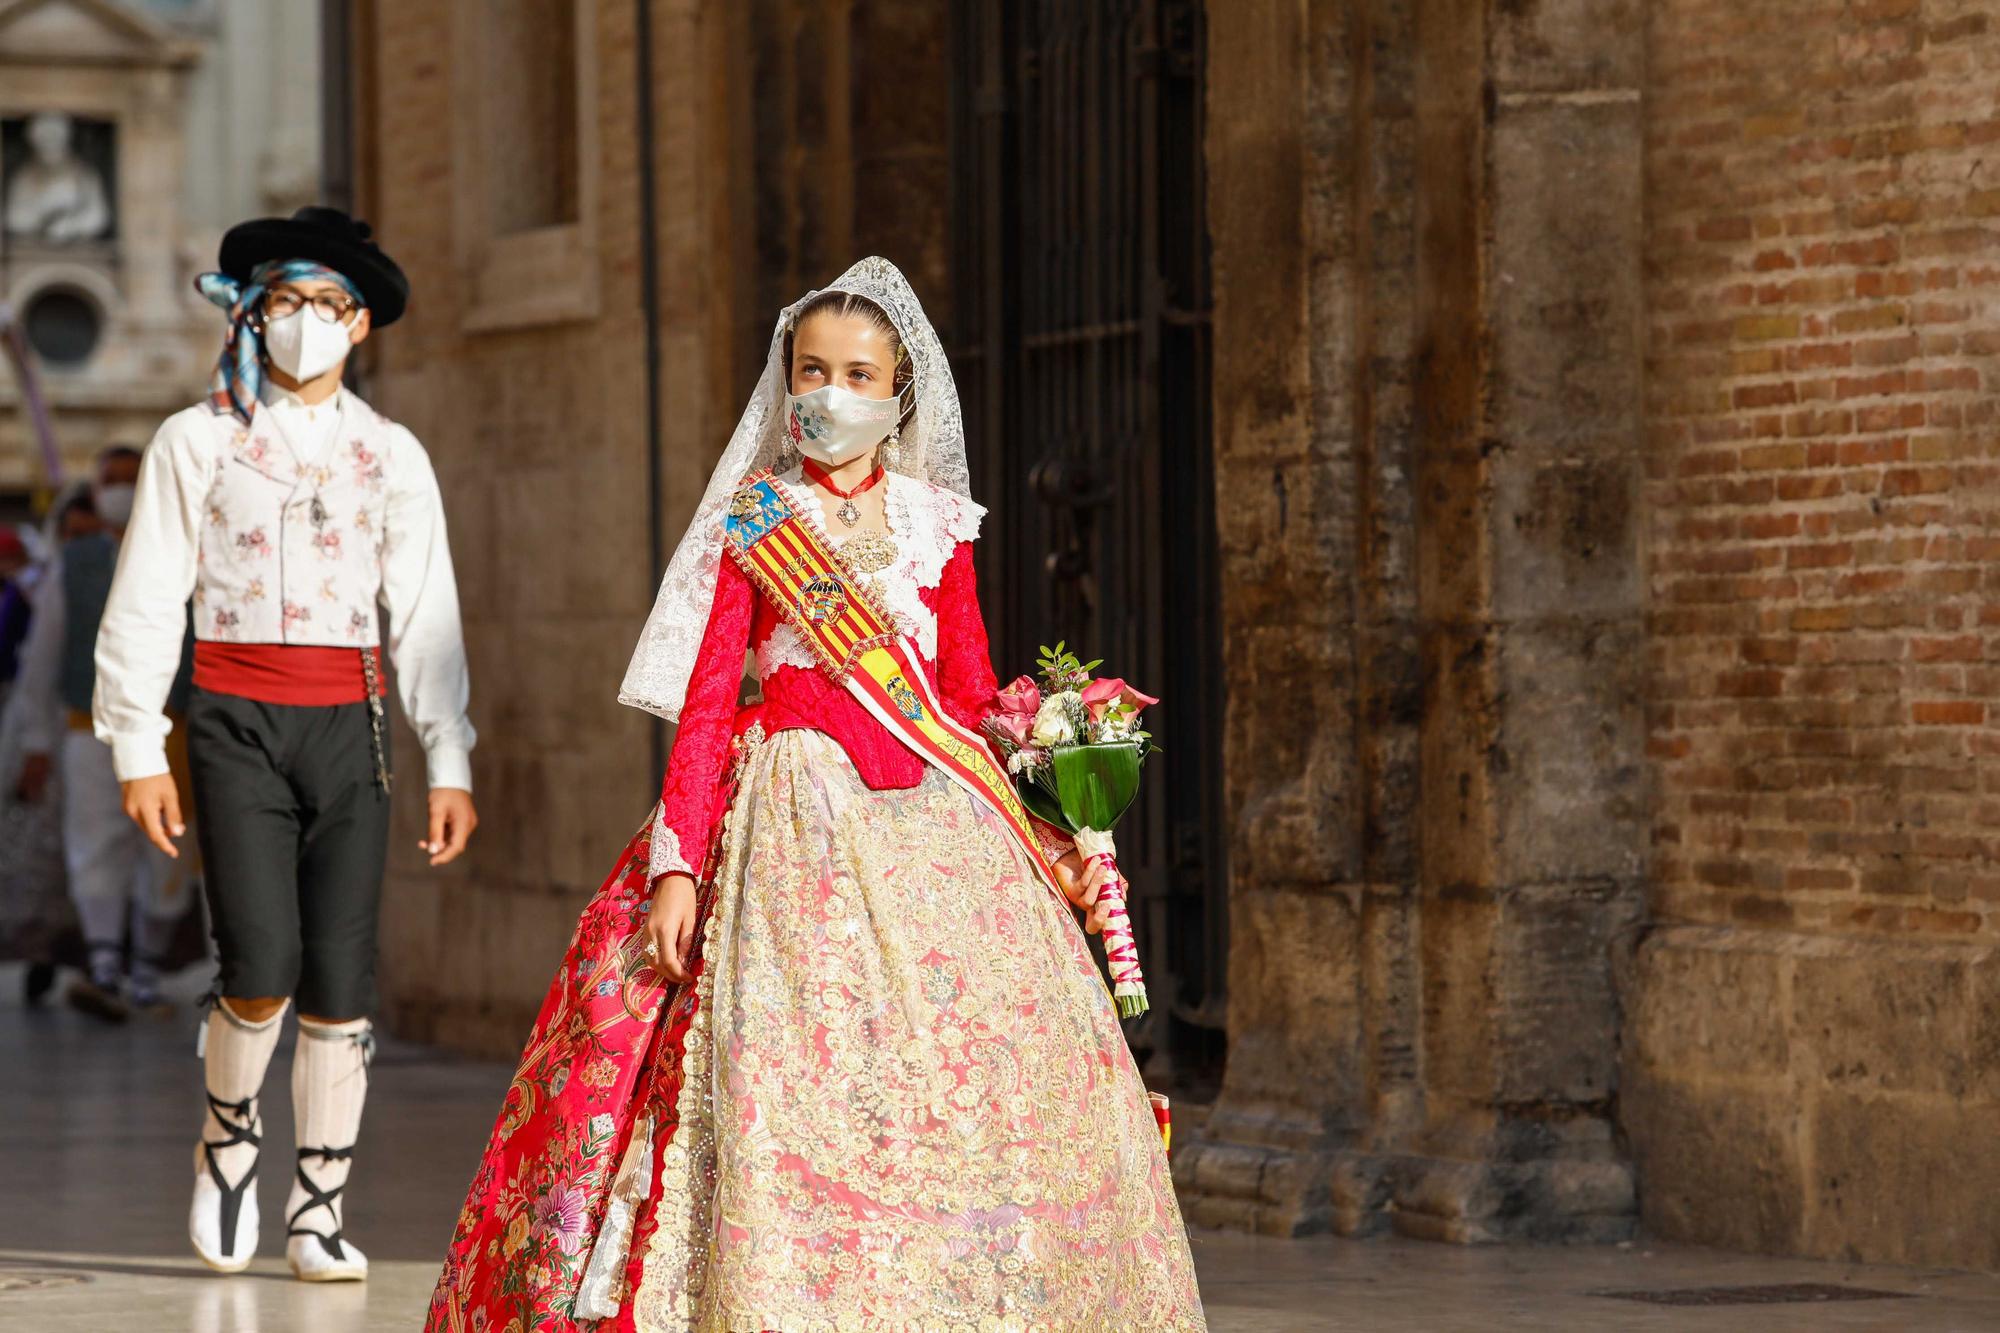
(906, 1102)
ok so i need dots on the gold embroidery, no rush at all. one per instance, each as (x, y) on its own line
(907, 1101)
(870, 552)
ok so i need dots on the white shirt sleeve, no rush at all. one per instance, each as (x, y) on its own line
(36, 702)
(426, 643)
(145, 619)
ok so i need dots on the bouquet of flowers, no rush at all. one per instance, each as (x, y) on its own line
(1074, 746)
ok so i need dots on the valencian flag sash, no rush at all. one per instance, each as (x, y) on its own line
(791, 562)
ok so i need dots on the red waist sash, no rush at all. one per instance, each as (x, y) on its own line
(282, 673)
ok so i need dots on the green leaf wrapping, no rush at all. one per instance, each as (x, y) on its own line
(1095, 785)
(1041, 804)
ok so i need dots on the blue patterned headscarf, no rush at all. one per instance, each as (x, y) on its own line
(239, 371)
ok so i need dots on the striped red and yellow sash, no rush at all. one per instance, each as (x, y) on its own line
(790, 560)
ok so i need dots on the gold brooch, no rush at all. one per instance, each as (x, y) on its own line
(869, 552)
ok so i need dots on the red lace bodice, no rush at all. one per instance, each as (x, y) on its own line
(806, 698)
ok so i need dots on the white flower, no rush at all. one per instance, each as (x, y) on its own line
(1115, 727)
(1025, 759)
(1052, 721)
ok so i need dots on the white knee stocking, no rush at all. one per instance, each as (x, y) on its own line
(329, 1086)
(236, 1052)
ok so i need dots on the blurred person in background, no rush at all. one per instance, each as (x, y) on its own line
(34, 911)
(116, 876)
(74, 516)
(14, 609)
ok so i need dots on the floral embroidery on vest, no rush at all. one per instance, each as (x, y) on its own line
(290, 553)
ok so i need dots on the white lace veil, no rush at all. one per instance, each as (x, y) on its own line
(932, 450)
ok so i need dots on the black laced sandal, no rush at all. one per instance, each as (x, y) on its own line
(232, 1195)
(332, 1242)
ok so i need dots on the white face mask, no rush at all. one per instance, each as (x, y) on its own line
(114, 503)
(833, 426)
(305, 346)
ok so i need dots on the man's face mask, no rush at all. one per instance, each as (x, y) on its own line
(305, 346)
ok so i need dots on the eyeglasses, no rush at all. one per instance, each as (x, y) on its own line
(329, 306)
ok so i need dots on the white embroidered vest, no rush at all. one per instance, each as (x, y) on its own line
(293, 554)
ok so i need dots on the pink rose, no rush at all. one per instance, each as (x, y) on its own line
(1099, 695)
(1016, 728)
(1020, 698)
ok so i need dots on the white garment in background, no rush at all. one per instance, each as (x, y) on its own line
(226, 514)
(114, 870)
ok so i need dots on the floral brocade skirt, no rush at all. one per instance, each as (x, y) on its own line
(896, 1098)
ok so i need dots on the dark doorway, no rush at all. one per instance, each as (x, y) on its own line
(1081, 341)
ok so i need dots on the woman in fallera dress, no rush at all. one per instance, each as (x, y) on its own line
(829, 1050)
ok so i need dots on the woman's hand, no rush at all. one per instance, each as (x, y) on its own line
(670, 926)
(1081, 884)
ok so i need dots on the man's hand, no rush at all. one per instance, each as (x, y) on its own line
(34, 780)
(1081, 884)
(154, 804)
(452, 822)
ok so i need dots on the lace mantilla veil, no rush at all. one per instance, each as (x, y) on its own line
(932, 450)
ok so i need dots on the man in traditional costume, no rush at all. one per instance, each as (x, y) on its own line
(288, 509)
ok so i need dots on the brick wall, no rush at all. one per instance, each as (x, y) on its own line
(1811, 1048)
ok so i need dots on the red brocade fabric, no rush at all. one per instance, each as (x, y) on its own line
(542, 1185)
(796, 697)
(605, 1056)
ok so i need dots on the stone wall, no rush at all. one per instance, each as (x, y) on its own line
(538, 429)
(1426, 219)
(538, 422)
(1813, 1063)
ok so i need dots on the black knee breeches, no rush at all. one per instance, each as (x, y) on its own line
(294, 836)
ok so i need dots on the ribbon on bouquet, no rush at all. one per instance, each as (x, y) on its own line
(1121, 950)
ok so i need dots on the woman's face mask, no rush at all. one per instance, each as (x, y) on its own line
(305, 346)
(833, 426)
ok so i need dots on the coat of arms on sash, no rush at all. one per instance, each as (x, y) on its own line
(823, 599)
(905, 698)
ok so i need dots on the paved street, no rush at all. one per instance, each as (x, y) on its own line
(97, 1149)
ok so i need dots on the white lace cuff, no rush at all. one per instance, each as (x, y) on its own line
(663, 856)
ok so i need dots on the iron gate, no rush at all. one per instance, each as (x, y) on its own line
(1081, 337)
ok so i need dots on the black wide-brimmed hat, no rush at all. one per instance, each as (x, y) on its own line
(324, 236)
